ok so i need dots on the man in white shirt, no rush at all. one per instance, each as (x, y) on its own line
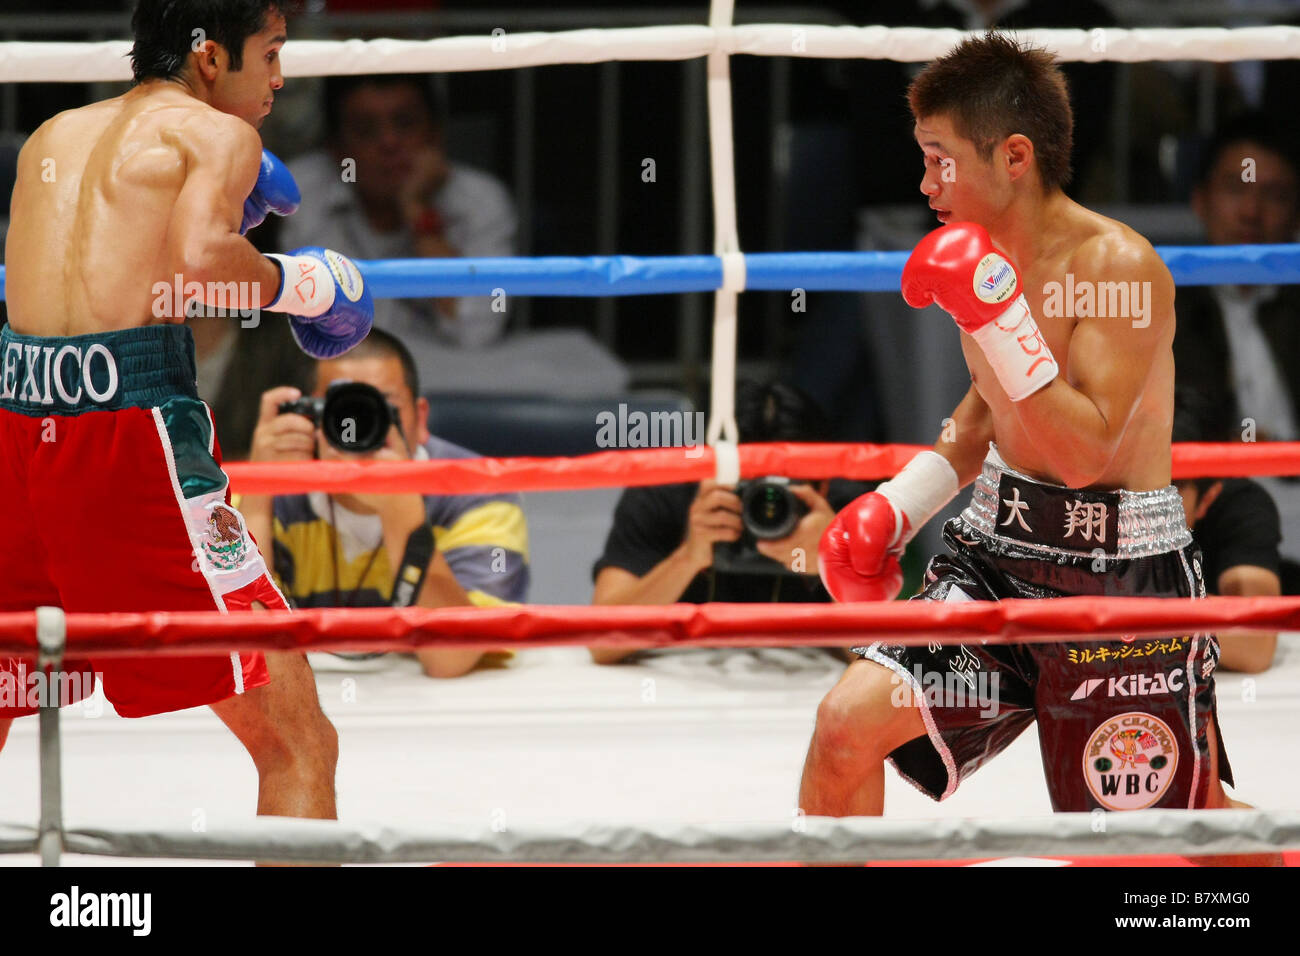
(384, 188)
(384, 183)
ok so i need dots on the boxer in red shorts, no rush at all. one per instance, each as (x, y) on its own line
(110, 471)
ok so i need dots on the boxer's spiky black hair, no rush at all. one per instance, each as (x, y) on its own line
(992, 86)
(165, 31)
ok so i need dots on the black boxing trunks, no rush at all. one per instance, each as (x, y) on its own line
(1122, 724)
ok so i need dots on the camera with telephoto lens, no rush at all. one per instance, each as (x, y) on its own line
(768, 511)
(353, 416)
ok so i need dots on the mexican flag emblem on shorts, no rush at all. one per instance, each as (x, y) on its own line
(225, 544)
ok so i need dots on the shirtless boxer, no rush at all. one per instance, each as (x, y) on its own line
(1066, 432)
(110, 473)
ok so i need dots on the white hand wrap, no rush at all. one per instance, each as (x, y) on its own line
(1015, 348)
(306, 287)
(919, 492)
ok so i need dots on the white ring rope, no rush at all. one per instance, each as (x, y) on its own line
(726, 243)
(24, 61)
(847, 839)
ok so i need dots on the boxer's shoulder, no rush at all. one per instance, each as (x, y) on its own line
(73, 127)
(225, 146)
(205, 133)
(1103, 244)
(1106, 250)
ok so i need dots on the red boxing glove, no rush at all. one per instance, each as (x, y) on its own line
(858, 554)
(957, 268)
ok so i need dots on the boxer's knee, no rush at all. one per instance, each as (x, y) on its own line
(305, 746)
(306, 735)
(859, 720)
(281, 723)
(320, 746)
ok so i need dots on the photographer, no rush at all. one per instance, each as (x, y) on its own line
(381, 550)
(689, 543)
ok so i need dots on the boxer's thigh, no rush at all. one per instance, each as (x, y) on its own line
(1124, 725)
(1126, 733)
(114, 516)
(25, 582)
(140, 499)
(974, 700)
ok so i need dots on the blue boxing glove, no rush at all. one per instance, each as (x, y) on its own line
(329, 306)
(275, 191)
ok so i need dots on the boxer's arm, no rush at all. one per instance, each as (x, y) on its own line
(965, 442)
(1079, 426)
(223, 155)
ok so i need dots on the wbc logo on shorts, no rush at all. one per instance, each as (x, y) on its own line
(1130, 761)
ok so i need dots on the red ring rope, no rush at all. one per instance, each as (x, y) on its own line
(1077, 619)
(659, 466)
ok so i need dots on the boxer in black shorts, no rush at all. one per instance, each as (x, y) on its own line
(1137, 710)
(1067, 324)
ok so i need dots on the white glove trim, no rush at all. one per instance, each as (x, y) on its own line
(920, 491)
(311, 292)
(1017, 351)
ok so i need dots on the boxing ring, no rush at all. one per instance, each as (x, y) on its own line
(711, 768)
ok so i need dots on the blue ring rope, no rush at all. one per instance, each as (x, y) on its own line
(770, 271)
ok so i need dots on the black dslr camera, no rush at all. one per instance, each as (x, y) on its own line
(353, 416)
(768, 511)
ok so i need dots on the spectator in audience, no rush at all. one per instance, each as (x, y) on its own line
(345, 550)
(1236, 524)
(384, 188)
(1240, 345)
(675, 543)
